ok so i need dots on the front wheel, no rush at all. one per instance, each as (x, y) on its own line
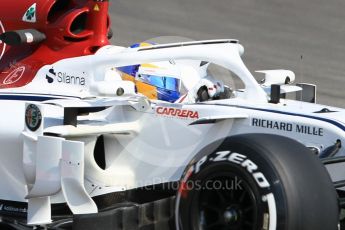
(256, 182)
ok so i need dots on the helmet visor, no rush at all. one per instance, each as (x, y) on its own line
(169, 83)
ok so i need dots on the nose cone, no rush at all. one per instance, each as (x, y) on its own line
(69, 28)
(16, 15)
(62, 21)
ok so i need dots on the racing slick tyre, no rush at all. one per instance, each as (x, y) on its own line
(256, 181)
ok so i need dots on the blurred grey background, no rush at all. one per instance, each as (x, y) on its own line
(306, 36)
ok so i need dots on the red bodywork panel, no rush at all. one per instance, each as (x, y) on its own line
(72, 27)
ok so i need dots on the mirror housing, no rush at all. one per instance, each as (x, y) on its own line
(115, 88)
(277, 77)
(307, 94)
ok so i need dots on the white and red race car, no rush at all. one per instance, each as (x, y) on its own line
(81, 149)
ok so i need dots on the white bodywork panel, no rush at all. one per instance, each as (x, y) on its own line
(145, 142)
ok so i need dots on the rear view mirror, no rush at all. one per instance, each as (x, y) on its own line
(277, 77)
(307, 94)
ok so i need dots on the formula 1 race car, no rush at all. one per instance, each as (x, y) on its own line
(95, 136)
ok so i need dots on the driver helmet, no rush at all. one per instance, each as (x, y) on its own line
(157, 81)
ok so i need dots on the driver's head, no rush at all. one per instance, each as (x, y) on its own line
(159, 80)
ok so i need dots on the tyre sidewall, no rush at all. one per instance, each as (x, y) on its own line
(236, 160)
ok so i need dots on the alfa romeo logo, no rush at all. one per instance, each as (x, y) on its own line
(33, 117)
